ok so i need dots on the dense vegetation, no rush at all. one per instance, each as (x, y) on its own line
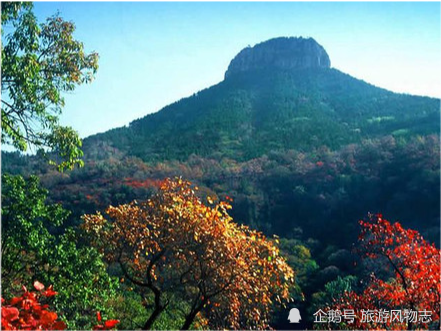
(296, 158)
(179, 249)
(410, 268)
(249, 115)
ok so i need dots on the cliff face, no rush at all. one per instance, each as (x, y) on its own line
(280, 53)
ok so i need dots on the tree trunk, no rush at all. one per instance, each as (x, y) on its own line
(158, 310)
(189, 320)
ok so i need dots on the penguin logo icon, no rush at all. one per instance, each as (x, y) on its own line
(294, 316)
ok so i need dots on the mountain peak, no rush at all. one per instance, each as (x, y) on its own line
(280, 53)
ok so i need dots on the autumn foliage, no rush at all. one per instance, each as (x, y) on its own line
(412, 266)
(28, 313)
(174, 243)
(104, 325)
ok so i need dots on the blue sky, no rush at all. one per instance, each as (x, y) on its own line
(152, 54)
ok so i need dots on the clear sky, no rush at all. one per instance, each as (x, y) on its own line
(152, 54)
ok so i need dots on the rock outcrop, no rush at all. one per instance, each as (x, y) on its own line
(280, 53)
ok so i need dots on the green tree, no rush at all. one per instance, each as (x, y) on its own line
(32, 250)
(38, 63)
(81, 280)
(299, 258)
(26, 220)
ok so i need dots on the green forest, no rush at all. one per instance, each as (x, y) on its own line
(273, 189)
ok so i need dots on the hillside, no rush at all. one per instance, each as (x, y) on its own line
(274, 98)
(300, 149)
(300, 146)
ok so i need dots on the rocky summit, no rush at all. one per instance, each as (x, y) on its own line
(280, 53)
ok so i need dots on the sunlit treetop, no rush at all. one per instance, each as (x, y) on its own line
(177, 243)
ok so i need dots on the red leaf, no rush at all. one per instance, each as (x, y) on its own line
(48, 317)
(15, 300)
(110, 324)
(49, 292)
(98, 316)
(10, 314)
(60, 325)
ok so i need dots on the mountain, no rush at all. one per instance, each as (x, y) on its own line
(300, 146)
(302, 150)
(280, 94)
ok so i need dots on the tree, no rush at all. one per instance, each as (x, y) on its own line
(174, 244)
(299, 257)
(81, 277)
(28, 313)
(411, 267)
(34, 246)
(39, 63)
(26, 220)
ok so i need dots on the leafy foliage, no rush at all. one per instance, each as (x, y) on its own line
(106, 325)
(83, 283)
(28, 313)
(32, 249)
(26, 220)
(174, 243)
(412, 275)
(301, 152)
(299, 258)
(39, 63)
